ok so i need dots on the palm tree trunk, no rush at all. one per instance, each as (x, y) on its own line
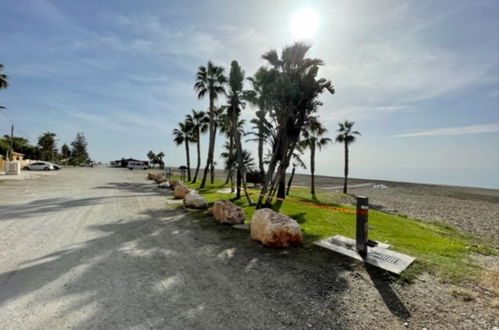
(312, 168)
(198, 165)
(238, 188)
(345, 182)
(260, 154)
(188, 159)
(291, 180)
(211, 146)
(231, 146)
(239, 153)
(212, 165)
(281, 192)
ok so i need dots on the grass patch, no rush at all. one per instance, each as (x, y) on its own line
(440, 249)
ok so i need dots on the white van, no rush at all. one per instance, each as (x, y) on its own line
(136, 165)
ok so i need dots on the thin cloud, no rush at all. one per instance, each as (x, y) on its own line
(463, 130)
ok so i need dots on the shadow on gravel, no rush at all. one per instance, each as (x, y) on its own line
(163, 268)
(382, 284)
(131, 187)
(38, 207)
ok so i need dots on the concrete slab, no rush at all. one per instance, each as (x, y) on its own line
(378, 255)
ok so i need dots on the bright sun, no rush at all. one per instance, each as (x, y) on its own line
(304, 23)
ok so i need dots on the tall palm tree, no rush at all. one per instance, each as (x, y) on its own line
(236, 104)
(312, 139)
(198, 121)
(225, 125)
(210, 81)
(260, 97)
(183, 135)
(3, 78)
(346, 136)
(218, 119)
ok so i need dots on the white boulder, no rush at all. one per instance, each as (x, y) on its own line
(195, 201)
(165, 184)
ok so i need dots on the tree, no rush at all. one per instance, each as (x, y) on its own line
(182, 135)
(297, 161)
(65, 151)
(259, 97)
(19, 144)
(235, 98)
(3, 81)
(151, 157)
(158, 159)
(294, 89)
(346, 136)
(312, 139)
(198, 121)
(210, 81)
(46, 142)
(3, 78)
(231, 161)
(79, 151)
(225, 125)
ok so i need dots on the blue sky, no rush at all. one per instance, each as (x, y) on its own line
(420, 78)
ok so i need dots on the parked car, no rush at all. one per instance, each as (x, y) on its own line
(136, 165)
(41, 166)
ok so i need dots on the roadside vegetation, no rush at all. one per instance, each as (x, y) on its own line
(46, 148)
(439, 249)
(286, 94)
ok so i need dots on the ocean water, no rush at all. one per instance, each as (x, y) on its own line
(481, 178)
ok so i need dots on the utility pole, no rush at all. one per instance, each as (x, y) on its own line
(11, 142)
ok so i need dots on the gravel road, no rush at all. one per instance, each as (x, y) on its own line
(99, 248)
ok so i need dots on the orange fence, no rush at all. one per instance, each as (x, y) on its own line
(327, 207)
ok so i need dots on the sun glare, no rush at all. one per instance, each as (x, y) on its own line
(304, 23)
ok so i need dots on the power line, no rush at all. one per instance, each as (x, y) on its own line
(12, 123)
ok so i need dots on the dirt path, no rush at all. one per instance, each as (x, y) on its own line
(99, 249)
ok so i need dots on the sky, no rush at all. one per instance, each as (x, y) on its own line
(419, 78)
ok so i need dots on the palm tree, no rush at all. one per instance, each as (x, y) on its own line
(218, 119)
(259, 97)
(199, 124)
(225, 125)
(183, 135)
(3, 78)
(294, 87)
(235, 100)
(346, 136)
(312, 139)
(297, 161)
(231, 161)
(151, 157)
(210, 80)
(3, 81)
